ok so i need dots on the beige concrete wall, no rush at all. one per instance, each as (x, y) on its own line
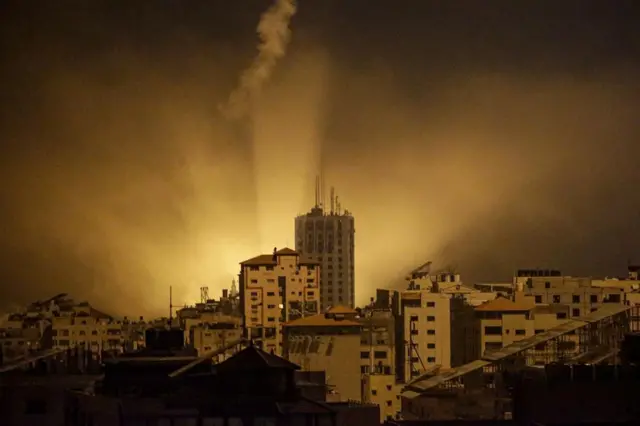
(263, 303)
(338, 355)
(381, 389)
(428, 327)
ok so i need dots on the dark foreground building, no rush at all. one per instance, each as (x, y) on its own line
(250, 388)
(165, 384)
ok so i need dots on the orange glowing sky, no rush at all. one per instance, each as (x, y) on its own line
(121, 177)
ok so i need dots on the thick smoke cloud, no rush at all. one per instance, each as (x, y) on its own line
(275, 34)
(120, 178)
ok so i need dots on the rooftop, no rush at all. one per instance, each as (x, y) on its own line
(342, 310)
(271, 259)
(322, 320)
(253, 357)
(502, 304)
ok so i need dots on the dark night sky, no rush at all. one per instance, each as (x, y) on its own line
(490, 135)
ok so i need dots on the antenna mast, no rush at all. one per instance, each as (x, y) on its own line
(170, 305)
(322, 194)
(317, 191)
(333, 200)
(204, 294)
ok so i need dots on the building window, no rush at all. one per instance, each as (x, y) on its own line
(431, 359)
(538, 299)
(254, 294)
(538, 331)
(431, 304)
(380, 355)
(271, 306)
(520, 332)
(413, 318)
(270, 293)
(493, 331)
(575, 298)
(575, 312)
(364, 355)
(271, 319)
(561, 315)
(556, 298)
(414, 332)
(593, 298)
(254, 281)
(547, 285)
(431, 318)
(431, 345)
(613, 298)
(431, 332)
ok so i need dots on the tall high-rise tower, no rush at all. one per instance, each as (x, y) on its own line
(328, 236)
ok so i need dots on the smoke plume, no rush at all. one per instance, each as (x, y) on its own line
(275, 35)
(447, 140)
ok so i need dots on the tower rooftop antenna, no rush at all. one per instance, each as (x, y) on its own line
(333, 200)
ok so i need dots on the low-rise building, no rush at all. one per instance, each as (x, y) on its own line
(502, 322)
(550, 287)
(328, 342)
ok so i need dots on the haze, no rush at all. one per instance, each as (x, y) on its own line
(483, 138)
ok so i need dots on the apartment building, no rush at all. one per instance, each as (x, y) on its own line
(212, 324)
(19, 341)
(502, 322)
(578, 293)
(384, 391)
(328, 342)
(377, 341)
(81, 325)
(448, 283)
(433, 330)
(275, 289)
(329, 238)
(427, 328)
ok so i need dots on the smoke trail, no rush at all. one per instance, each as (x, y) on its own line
(274, 33)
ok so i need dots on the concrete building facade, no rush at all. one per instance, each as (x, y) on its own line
(382, 390)
(433, 330)
(275, 289)
(328, 342)
(550, 287)
(377, 351)
(502, 322)
(329, 238)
